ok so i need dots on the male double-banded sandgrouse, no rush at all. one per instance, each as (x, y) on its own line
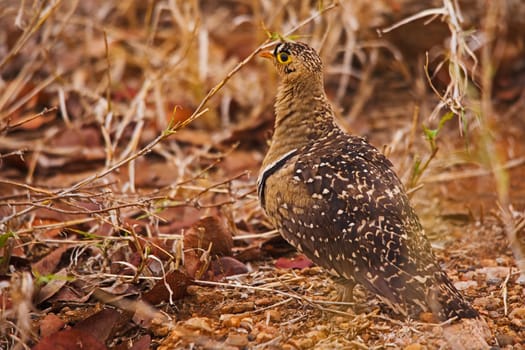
(337, 199)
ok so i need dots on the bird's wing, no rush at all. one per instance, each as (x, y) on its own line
(361, 220)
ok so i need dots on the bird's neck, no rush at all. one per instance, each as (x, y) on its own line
(302, 114)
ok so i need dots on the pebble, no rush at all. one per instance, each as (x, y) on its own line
(494, 314)
(462, 285)
(289, 346)
(414, 346)
(488, 303)
(518, 312)
(201, 323)
(229, 320)
(505, 339)
(264, 337)
(494, 274)
(519, 324)
(237, 308)
(305, 343)
(246, 323)
(273, 315)
(427, 317)
(264, 301)
(239, 340)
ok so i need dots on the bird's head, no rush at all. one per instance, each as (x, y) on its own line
(295, 60)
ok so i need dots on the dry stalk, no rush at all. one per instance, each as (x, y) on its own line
(487, 121)
(459, 52)
(40, 16)
(199, 111)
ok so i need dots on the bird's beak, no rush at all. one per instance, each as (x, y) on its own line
(266, 54)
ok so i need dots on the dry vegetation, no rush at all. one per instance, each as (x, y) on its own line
(131, 133)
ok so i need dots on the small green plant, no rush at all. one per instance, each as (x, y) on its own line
(44, 279)
(4, 237)
(431, 136)
(7, 247)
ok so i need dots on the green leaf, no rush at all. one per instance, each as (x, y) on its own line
(430, 134)
(445, 119)
(84, 234)
(172, 123)
(415, 169)
(4, 237)
(44, 279)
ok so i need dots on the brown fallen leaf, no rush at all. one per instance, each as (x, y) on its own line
(250, 253)
(50, 324)
(52, 287)
(143, 313)
(156, 246)
(143, 343)
(209, 233)
(195, 263)
(43, 221)
(471, 334)
(103, 324)
(72, 293)
(70, 339)
(192, 136)
(298, 262)
(203, 241)
(48, 264)
(226, 266)
(176, 281)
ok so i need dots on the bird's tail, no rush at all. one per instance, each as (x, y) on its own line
(446, 302)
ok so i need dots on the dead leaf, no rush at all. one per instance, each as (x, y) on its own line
(178, 113)
(52, 287)
(72, 293)
(194, 264)
(41, 221)
(298, 262)
(121, 288)
(101, 325)
(143, 343)
(201, 323)
(239, 161)
(203, 241)
(176, 281)
(48, 264)
(209, 233)
(50, 324)
(156, 246)
(250, 253)
(70, 339)
(143, 313)
(192, 136)
(226, 266)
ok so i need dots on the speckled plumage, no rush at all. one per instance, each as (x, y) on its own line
(337, 199)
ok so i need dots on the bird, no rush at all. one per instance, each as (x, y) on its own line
(337, 199)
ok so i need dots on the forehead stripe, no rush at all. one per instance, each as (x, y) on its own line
(278, 49)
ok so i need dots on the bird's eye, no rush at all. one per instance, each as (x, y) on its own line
(283, 57)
